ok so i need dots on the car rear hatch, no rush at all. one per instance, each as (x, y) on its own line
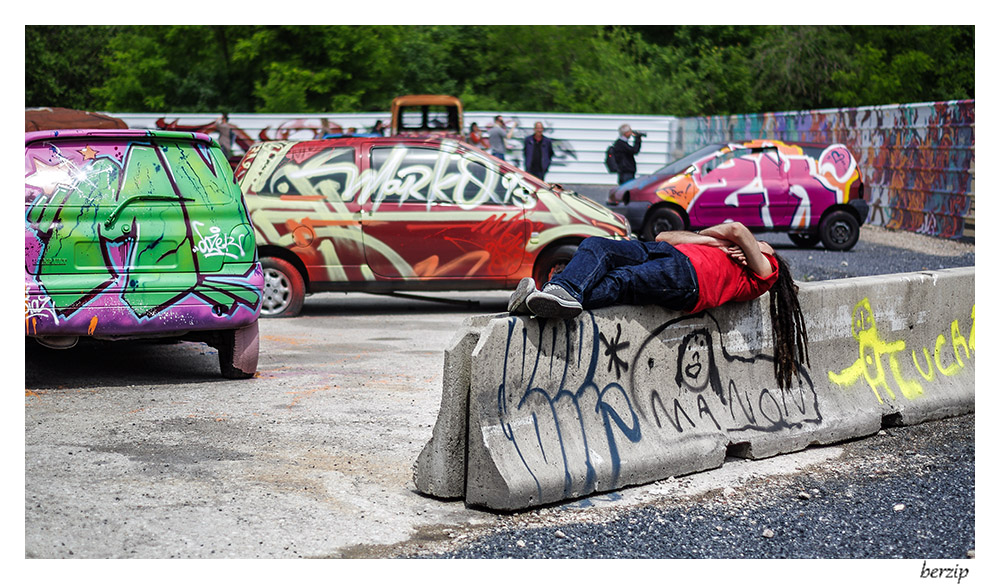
(100, 206)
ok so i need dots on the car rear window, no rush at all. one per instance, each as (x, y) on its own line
(301, 169)
(95, 171)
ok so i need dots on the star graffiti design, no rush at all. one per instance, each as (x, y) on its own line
(612, 350)
(49, 177)
(88, 153)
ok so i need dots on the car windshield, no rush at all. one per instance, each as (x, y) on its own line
(428, 117)
(681, 163)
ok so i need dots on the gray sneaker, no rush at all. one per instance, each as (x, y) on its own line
(553, 301)
(524, 289)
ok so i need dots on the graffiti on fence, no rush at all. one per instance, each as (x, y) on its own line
(917, 160)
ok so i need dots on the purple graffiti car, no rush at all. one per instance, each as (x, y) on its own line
(138, 234)
(811, 191)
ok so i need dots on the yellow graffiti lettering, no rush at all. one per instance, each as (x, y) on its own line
(929, 374)
(873, 350)
(958, 341)
(910, 389)
(949, 370)
(972, 333)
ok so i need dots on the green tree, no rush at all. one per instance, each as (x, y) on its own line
(899, 64)
(62, 64)
(795, 66)
(180, 68)
(678, 70)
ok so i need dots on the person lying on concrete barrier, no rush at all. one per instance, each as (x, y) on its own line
(681, 270)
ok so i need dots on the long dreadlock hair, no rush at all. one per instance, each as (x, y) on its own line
(788, 327)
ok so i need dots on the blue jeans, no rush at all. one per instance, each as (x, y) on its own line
(604, 272)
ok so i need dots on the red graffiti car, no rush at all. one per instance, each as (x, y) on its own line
(405, 213)
(811, 191)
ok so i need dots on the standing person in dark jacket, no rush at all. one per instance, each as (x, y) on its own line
(538, 152)
(625, 153)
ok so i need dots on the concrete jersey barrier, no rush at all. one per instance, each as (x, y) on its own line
(537, 411)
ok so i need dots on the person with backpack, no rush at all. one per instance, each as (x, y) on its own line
(621, 154)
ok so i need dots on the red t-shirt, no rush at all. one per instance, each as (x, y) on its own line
(720, 279)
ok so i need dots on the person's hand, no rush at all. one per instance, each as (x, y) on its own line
(736, 254)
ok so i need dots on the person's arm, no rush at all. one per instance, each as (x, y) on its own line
(638, 144)
(688, 237)
(738, 234)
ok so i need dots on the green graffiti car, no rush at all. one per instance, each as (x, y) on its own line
(138, 234)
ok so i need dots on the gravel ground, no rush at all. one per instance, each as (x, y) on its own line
(880, 498)
(878, 251)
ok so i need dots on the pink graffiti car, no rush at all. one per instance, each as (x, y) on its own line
(405, 213)
(133, 234)
(812, 192)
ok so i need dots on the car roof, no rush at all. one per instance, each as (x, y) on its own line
(425, 100)
(763, 141)
(428, 139)
(104, 134)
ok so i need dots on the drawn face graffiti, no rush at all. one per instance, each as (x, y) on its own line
(694, 360)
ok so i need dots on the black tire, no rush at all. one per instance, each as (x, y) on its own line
(805, 240)
(839, 231)
(551, 262)
(284, 289)
(661, 219)
(239, 350)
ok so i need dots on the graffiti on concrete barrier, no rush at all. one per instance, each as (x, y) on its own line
(700, 397)
(578, 395)
(598, 412)
(875, 353)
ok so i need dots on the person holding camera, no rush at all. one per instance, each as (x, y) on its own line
(624, 152)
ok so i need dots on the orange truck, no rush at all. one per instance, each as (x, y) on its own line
(414, 115)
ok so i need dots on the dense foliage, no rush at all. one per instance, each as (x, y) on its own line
(661, 70)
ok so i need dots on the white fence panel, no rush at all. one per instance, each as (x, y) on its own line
(580, 139)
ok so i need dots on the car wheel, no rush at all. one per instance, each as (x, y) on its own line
(804, 239)
(839, 231)
(284, 289)
(238, 352)
(662, 219)
(551, 262)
